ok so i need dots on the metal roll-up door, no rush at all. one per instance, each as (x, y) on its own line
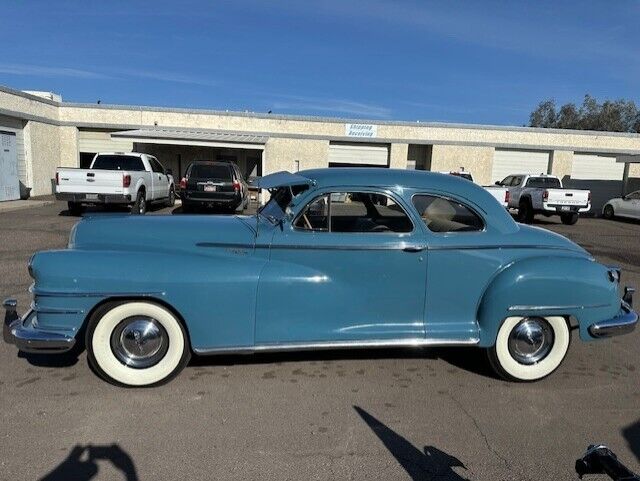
(99, 141)
(507, 162)
(599, 173)
(358, 154)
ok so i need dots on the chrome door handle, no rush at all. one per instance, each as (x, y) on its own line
(413, 248)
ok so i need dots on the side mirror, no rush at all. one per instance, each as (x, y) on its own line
(169, 172)
(497, 182)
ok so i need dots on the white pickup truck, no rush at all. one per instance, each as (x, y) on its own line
(116, 178)
(544, 194)
(501, 194)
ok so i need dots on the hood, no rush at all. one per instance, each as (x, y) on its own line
(160, 233)
(538, 236)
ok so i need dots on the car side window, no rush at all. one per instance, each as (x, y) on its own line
(633, 196)
(354, 212)
(155, 165)
(507, 180)
(315, 216)
(516, 181)
(441, 214)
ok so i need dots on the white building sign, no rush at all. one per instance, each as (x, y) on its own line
(361, 130)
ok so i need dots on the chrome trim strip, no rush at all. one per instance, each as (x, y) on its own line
(555, 308)
(54, 310)
(44, 293)
(308, 346)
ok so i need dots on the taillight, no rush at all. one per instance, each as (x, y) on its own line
(545, 195)
(57, 179)
(236, 186)
(126, 180)
(507, 196)
(183, 183)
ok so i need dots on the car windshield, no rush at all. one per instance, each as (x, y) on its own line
(118, 162)
(275, 209)
(544, 182)
(210, 171)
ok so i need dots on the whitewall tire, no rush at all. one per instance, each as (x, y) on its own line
(136, 343)
(531, 348)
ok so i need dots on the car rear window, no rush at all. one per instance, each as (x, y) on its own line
(544, 182)
(118, 162)
(210, 171)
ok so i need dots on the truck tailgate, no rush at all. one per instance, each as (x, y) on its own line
(90, 181)
(567, 197)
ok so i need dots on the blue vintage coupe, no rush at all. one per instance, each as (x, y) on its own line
(338, 258)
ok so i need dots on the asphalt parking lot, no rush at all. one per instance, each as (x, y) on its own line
(395, 414)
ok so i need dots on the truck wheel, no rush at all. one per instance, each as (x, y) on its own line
(140, 205)
(608, 212)
(136, 343)
(74, 208)
(525, 212)
(569, 219)
(529, 348)
(172, 197)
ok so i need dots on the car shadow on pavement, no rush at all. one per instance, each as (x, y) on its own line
(430, 463)
(468, 359)
(81, 463)
(632, 434)
(66, 359)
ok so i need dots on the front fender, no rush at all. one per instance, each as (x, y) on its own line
(213, 290)
(570, 286)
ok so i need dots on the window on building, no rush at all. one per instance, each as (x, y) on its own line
(441, 214)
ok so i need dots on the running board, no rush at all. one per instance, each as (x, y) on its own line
(330, 345)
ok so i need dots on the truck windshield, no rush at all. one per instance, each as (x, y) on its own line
(118, 162)
(275, 209)
(544, 182)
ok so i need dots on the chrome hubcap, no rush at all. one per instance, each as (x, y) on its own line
(139, 342)
(531, 340)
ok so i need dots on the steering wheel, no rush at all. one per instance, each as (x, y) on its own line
(380, 228)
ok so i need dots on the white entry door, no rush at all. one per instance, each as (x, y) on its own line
(9, 183)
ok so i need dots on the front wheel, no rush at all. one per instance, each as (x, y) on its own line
(171, 201)
(569, 219)
(135, 343)
(529, 348)
(608, 212)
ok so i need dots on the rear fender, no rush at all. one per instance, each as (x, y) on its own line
(569, 286)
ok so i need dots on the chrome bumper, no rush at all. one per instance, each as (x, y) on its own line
(616, 326)
(25, 334)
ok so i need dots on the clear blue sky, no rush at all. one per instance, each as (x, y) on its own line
(473, 61)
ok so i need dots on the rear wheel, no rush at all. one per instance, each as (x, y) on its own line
(135, 343)
(74, 208)
(140, 205)
(608, 212)
(529, 348)
(569, 219)
(525, 212)
(187, 206)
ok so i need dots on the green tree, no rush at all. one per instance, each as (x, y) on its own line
(611, 115)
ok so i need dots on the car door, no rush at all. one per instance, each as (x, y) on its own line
(631, 205)
(159, 179)
(515, 190)
(348, 267)
(461, 262)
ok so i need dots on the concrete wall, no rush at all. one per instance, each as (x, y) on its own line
(561, 163)
(281, 154)
(398, 156)
(42, 152)
(477, 160)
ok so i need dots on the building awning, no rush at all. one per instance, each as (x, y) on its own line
(200, 137)
(629, 159)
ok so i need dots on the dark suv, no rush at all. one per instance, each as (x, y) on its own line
(214, 184)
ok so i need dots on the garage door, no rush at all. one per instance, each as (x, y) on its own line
(13, 168)
(507, 162)
(99, 141)
(358, 154)
(599, 173)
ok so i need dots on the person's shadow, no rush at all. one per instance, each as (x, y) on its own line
(81, 465)
(430, 464)
(632, 434)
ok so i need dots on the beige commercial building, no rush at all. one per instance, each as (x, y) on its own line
(40, 132)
